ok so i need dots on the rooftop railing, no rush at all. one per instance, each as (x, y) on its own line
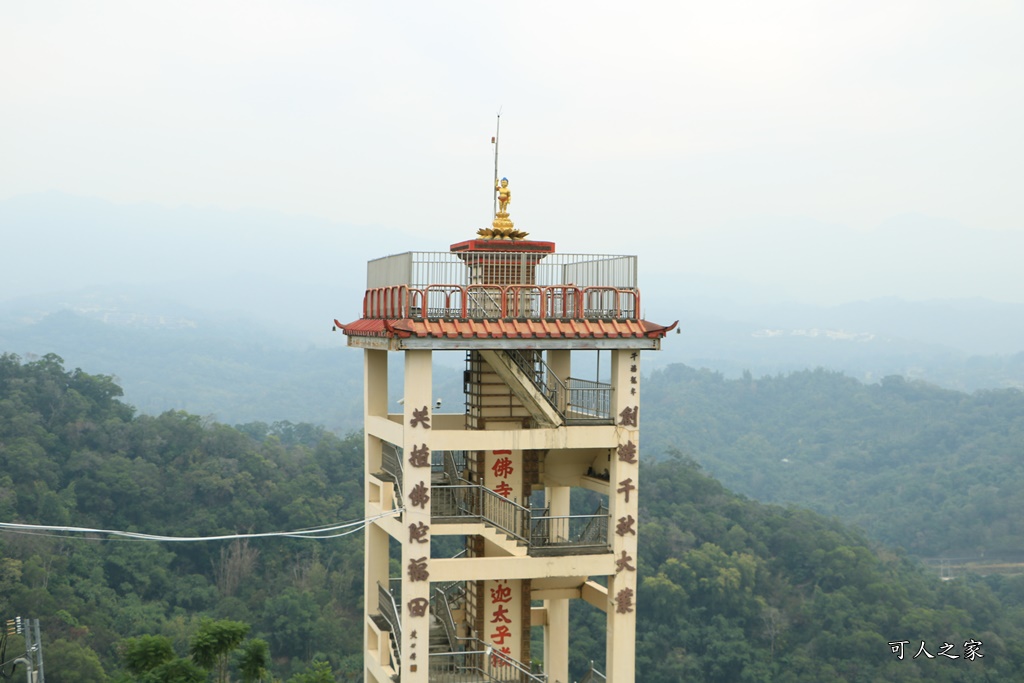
(418, 269)
(492, 285)
(492, 302)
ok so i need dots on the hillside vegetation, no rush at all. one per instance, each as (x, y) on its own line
(935, 471)
(730, 589)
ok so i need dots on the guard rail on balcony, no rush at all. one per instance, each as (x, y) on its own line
(588, 400)
(579, 533)
(483, 663)
(542, 533)
(490, 302)
(457, 502)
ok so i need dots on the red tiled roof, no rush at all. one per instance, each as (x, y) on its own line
(505, 329)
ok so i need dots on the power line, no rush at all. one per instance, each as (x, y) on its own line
(317, 533)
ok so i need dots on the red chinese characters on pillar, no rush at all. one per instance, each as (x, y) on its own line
(503, 469)
(501, 595)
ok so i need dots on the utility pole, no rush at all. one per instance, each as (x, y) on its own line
(33, 657)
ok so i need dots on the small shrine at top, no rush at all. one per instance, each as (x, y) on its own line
(550, 416)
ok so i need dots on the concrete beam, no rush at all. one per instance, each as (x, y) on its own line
(494, 568)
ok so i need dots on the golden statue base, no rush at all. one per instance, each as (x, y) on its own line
(501, 229)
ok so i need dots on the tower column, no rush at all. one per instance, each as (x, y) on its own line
(623, 507)
(375, 555)
(556, 640)
(416, 429)
(556, 631)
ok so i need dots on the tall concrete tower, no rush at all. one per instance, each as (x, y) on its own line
(477, 535)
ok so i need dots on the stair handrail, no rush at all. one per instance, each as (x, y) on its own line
(389, 612)
(451, 467)
(442, 609)
(542, 377)
(593, 675)
(391, 463)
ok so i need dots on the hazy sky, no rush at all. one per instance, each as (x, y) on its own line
(832, 150)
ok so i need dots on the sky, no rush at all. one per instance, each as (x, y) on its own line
(822, 151)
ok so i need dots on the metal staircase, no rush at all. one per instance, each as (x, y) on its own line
(549, 400)
(453, 659)
(525, 531)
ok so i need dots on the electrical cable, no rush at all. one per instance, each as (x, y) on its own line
(319, 533)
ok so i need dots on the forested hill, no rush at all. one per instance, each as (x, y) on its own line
(735, 590)
(730, 589)
(73, 454)
(938, 472)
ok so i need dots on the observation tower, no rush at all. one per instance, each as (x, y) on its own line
(487, 522)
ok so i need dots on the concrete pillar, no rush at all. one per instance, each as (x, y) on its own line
(375, 555)
(623, 505)
(559, 363)
(556, 641)
(415, 538)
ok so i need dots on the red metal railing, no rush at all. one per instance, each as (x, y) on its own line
(477, 302)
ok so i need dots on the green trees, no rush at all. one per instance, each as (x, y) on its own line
(935, 471)
(730, 589)
(795, 598)
(72, 454)
(145, 653)
(212, 645)
(254, 660)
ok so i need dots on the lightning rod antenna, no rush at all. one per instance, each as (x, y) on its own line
(497, 131)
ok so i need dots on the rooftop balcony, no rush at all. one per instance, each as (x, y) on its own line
(502, 285)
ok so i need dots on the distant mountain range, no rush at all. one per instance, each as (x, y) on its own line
(238, 369)
(228, 313)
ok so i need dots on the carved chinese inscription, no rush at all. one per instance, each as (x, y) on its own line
(418, 569)
(624, 563)
(418, 532)
(419, 495)
(625, 486)
(418, 607)
(420, 417)
(625, 526)
(624, 601)
(628, 416)
(627, 452)
(420, 456)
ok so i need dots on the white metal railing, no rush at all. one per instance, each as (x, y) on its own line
(576, 531)
(472, 500)
(417, 269)
(485, 663)
(588, 400)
